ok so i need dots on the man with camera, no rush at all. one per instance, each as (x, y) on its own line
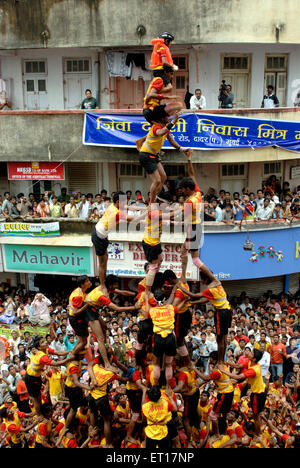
(225, 97)
(23, 206)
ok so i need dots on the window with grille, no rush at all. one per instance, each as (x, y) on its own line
(35, 66)
(174, 171)
(181, 62)
(276, 62)
(272, 168)
(77, 65)
(233, 170)
(235, 63)
(131, 170)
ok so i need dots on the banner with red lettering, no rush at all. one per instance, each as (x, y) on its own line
(127, 259)
(35, 171)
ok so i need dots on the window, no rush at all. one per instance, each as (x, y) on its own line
(233, 170)
(35, 66)
(272, 168)
(181, 62)
(77, 65)
(276, 62)
(174, 171)
(235, 63)
(131, 170)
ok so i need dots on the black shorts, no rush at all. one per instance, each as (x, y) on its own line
(164, 346)
(75, 396)
(156, 114)
(173, 426)
(161, 74)
(100, 244)
(135, 400)
(91, 314)
(222, 318)
(79, 324)
(190, 407)
(257, 402)
(149, 162)
(151, 251)
(224, 403)
(145, 330)
(34, 385)
(193, 236)
(101, 405)
(183, 323)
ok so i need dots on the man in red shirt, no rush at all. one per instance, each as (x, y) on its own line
(240, 336)
(278, 352)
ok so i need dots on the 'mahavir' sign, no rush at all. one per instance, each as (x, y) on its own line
(48, 259)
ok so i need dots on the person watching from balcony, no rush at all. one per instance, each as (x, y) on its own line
(277, 212)
(23, 205)
(89, 102)
(5, 104)
(84, 207)
(270, 100)
(228, 215)
(264, 213)
(55, 209)
(197, 101)
(43, 209)
(63, 195)
(71, 209)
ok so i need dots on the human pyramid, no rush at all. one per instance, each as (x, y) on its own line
(163, 305)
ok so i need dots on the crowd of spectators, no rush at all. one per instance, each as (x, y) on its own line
(272, 202)
(269, 323)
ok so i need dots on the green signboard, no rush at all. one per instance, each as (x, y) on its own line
(48, 259)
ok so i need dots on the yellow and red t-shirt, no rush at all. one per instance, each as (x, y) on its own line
(158, 414)
(37, 363)
(255, 380)
(97, 297)
(192, 210)
(110, 220)
(141, 299)
(223, 382)
(217, 297)
(153, 227)
(157, 84)
(76, 300)
(130, 384)
(179, 294)
(142, 286)
(43, 429)
(73, 368)
(69, 442)
(153, 142)
(163, 318)
(103, 377)
(13, 427)
(189, 377)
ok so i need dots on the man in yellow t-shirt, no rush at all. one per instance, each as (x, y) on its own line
(158, 412)
(98, 395)
(56, 385)
(216, 295)
(149, 153)
(164, 341)
(258, 387)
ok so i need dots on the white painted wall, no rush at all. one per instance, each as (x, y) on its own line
(204, 71)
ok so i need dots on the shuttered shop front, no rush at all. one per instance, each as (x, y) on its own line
(83, 177)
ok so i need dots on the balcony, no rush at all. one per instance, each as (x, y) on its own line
(57, 136)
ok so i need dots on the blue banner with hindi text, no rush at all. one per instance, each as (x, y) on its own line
(196, 131)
